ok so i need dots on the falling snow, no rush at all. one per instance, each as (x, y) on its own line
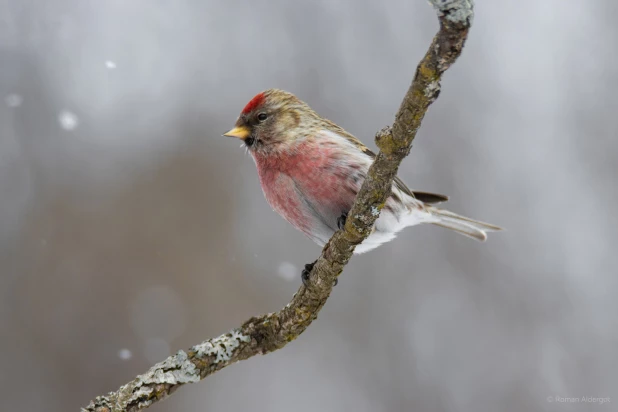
(13, 100)
(68, 120)
(110, 64)
(287, 271)
(125, 354)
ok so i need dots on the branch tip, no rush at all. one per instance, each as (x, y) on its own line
(457, 11)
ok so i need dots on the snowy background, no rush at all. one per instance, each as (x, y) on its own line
(129, 228)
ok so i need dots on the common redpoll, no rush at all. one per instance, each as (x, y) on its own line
(311, 169)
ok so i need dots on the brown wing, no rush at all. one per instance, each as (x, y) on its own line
(425, 197)
(430, 198)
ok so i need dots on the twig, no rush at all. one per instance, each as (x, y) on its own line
(267, 333)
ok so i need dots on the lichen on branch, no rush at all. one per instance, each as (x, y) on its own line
(267, 333)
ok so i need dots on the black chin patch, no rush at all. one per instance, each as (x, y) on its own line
(249, 141)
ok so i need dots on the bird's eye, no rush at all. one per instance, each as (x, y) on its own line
(262, 116)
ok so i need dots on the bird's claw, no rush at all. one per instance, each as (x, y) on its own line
(304, 276)
(341, 220)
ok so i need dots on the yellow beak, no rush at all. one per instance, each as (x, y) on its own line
(239, 132)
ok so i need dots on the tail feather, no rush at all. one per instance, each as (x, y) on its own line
(474, 229)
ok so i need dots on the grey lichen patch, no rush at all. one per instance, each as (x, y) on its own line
(100, 403)
(432, 88)
(142, 393)
(222, 347)
(457, 11)
(177, 369)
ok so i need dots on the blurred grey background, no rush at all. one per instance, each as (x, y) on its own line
(129, 228)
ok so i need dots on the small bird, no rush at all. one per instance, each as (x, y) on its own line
(311, 169)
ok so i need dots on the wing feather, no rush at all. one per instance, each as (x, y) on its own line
(425, 197)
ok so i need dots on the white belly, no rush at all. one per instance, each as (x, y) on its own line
(388, 224)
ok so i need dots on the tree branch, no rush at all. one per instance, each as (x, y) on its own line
(267, 333)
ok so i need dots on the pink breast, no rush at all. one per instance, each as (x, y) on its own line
(281, 194)
(318, 171)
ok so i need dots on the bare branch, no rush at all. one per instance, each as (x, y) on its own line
(267, 333)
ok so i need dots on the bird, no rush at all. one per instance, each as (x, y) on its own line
(311, 170)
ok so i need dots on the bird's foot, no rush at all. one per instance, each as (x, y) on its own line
(304, 276)
(341, 220)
